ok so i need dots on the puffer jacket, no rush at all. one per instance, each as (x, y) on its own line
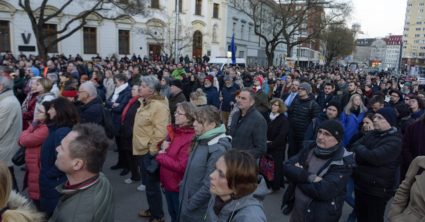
(327, 196)
(32, 138)
(300, 114)
(150, 125)
(213, 97)
(351, 124)
(20, 207)
(378, 157)
(195, 187)
(408, 204)
(173, 162)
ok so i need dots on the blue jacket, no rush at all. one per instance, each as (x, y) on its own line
(351, 125)
(50, 175)
(212, 96)
(123, 98)
(228, 94)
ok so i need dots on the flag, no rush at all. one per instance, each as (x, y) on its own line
(233, 49)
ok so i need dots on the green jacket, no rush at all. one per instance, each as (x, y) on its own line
(178, 73)
(91, 203)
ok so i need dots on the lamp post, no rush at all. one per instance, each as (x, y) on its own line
(176, 30)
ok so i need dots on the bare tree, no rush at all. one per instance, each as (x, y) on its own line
(107, 9)
(339, 41)
(164, 35)
(291, 22)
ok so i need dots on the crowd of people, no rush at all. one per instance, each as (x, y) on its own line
(199, 133)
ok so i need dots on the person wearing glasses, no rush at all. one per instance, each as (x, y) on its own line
(377, 156)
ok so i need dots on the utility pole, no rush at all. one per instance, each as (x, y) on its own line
(176, 31)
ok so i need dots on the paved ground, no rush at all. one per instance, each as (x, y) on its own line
(129, 201)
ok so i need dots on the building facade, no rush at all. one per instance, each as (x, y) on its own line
(392, 54)
(202, 25)
(413, 52)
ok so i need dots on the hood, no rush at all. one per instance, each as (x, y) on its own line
(23, 208)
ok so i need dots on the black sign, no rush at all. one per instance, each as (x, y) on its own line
(26, 48)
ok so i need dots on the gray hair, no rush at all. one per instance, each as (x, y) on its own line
(90, 88)
(53, 77)
(6, 82)
(152, 82)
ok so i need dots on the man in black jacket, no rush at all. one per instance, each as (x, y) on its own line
(92, 109)
(378, 158)
(177, 96)
(319, 175)
(248, 128)
(326, 95)
(303, 109)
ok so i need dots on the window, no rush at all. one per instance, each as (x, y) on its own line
(180, 5)
(216, 10)
(124, 42)
(155, 4)
(242, 31)
(198, 7)
(4, 36)
(233, 27)
(90, 40)
(50, 30)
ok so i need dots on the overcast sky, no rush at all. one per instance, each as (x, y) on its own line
(378, 18)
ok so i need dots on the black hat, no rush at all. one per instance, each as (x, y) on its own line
(334, 127)
(336, 105)
(389, 114)
(177, 83)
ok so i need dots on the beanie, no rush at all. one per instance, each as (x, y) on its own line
(389, 115)
(334, 127)
(69, 93)
(177, 83)
(210, 78)
(306, 86)
(334, 104)
(260, 79)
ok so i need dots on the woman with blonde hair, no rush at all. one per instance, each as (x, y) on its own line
(352, 117)
(198, 98)
(14, 207)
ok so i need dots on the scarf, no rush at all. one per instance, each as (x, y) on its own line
(211, 133)
(323, 153)
(273, 116)
(117, 92)
(124, 112)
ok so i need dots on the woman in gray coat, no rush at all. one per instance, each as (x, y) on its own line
(210, 143)
(235, 189)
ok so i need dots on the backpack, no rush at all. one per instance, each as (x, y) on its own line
(107, 123)
(267, 167)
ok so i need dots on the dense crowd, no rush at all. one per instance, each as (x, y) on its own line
(215, 140)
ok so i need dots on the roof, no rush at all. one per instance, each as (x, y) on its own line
(394, 40)
(365, 42)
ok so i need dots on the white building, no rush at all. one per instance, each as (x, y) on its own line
(204, 22)
(393, 50)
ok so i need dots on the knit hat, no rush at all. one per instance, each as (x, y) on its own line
(260, 79)
(389, 115)
(69, 93)
(177, 83)
(306, 86)
(334, 127)
(210, 78)
(334, 104)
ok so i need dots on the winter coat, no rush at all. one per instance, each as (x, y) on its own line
(327, 196)
(20, 209)
(195, 186)
(126, 129)
(92, 112)
(50, 175)
(32, 139)
(150, 125)
(277, 132)
(351, 124)
(261, 102)
(228, 94)
(11, 126)
(378, 161)
(322, 101)
(123, 98)
(109, 85)
(413, 144)
(172, 163)
(173, 101)
(212, 96)
(249, 132)
(92, 203)
(408, 204)
(300, 114)
(247, 208)
(313, 127)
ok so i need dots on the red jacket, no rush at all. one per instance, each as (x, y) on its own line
(32, 138)
(28, 110)
(173, 162)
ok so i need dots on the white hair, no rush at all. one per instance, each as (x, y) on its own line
(90, 88)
